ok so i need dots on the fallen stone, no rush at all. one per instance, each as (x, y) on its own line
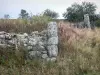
(53, 59)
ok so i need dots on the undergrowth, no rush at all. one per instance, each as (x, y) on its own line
(79, 54)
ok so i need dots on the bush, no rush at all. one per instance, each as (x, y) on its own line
(97, 23)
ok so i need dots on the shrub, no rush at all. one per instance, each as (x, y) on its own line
(97, 23)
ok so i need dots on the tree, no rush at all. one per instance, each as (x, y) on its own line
(6, 16)
(89, 8)
(76, 12)
(51, 13)
(24, 14)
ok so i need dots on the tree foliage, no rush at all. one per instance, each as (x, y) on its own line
(76, 12)
(24, 14)
(6, 16)
(51, 13)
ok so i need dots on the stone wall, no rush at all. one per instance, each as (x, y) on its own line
(38, 44)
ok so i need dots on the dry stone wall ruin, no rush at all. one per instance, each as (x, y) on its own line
(42, 44)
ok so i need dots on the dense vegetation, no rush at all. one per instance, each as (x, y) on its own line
(76, 12)
(79, 54)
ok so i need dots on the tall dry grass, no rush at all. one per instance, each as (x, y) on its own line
(36, 23)
(82, 48)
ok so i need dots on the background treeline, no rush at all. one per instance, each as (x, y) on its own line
(28, 22)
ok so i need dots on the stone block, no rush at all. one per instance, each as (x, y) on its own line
(53, 40)
(52, 29)
(52, 50)
(44, 56)
(53, 59)
(33, 54)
